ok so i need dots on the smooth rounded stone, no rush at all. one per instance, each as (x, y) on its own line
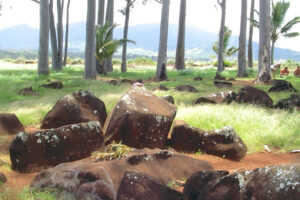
(282, 85)
(168, 98)
(217, 98)
(253, 95)
(78, 107)
(161, 88)
(225, 142)
(198, 78)
(222, 84)
(101, 180)
(10, 124)
(137, 185)
(140, 119)
(46, 148)
(54, 85)
(3, 178)
(291, 103)
(186, 88)
(28, 91)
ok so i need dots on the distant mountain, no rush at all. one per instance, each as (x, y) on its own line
(198, 42)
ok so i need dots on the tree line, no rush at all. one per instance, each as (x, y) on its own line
(270, 25)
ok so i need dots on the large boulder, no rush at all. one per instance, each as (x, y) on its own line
(31, 152)
(54, 85)
(282, 85)
(186, 88)
(213, 185)
(10, 124)
(78, 107)
(290, 103)
(253, 95)
(101, 180)
(225, 142)
(221, 97)
(136, 185)
(278, 182)
(140, 119)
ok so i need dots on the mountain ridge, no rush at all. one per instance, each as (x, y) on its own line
(198, 42)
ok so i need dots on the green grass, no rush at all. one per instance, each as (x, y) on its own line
(26, 194)
(257, 126)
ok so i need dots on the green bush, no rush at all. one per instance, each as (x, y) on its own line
(227, 63)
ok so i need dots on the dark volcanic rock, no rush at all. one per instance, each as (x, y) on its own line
(126, 81)
(221, 97)
(231, 79)
(198, 78)
(161, 87)
(282, 85)
(30, 152)
(279, 182)
(136, 185)
(219, 77)
(10, 124)
(3, 178)
(54, 85)
(113, 82)
(253, 95)
(100, 180)
(225, 142)
(186, 88)
(222, 84)
(291, 103)
(78, 107)
(196, 183)
(140, 119)
(27, 92)
(168, 98)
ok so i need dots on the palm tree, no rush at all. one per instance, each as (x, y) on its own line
(105, 46)
(221, 35)
(179, 60)
(242, 41)
(225, 52)
(250, 51)
(277, 28)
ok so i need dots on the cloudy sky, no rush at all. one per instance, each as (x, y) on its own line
(204, 14)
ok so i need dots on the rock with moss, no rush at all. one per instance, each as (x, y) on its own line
(140, 119)
(45, 148)
(223, 142)
(78, 107)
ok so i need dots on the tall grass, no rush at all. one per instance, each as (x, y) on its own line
(26, 194)
(257, 126)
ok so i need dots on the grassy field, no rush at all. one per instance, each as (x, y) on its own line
(256, 125)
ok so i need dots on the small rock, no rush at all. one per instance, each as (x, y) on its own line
(282, 85)
(54, 85)
(113, 82)
(186, 88)
(219, 77)
(198, 78)
(253, 95)
(3, 178)
(222, 84)
(161, 87)
(221, 97)
(10, 124)
(168, 98)
(27, 92)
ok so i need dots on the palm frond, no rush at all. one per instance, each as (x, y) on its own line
(290, 24)
(254, 23)
(231, 51)
(291, 35)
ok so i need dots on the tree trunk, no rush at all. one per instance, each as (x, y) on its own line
(43, 62)
(60, 5)
(221, 37)
(100, 21)
(67, 35)
(124, 51)
(90, 67)
(242, 41)
(53, 37)
(110, 19)
(163, 39)
(272, 51)
(100, 18)
(180, 50)
(264, 41)
(250, 49)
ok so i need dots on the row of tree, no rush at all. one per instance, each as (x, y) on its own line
(268, 31)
